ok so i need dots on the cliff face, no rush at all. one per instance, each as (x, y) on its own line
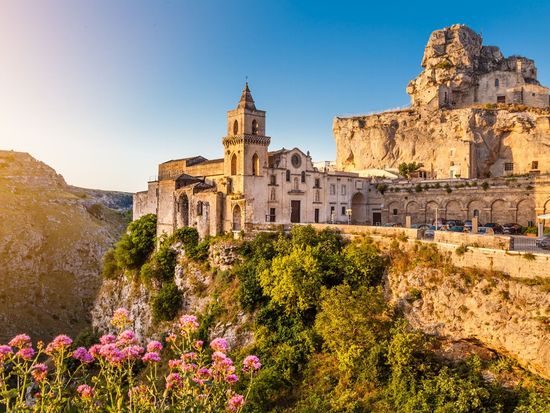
(507, 316)
(472, 142)
(52, 239)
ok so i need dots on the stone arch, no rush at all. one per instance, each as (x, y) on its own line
(453, 210)
(500, 212)
(525, 211)
(235, 127)
(477, 207)
(358, 209)
(432, 208)
(234, 164)
(254, 127)
(547, 207)
(237, 218)
(394, 212)
(255, 165)
(184, 210)
(413, 210)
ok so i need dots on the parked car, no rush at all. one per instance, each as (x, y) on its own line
(497, 229)
(456, 228)
(391, 224)
(430, 232)
(420, 226)
(455, 223)
(543, 242)
(513, 228)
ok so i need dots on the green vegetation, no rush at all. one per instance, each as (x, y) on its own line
(405, 169)
(166, 303)
(485, 185)
(381, 188)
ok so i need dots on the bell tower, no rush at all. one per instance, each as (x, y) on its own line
(245, 145)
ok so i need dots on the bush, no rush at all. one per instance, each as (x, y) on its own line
(188, 236)
(139, 241)
(167, 302)
(362, 264)
(485, 185)
(110, 268)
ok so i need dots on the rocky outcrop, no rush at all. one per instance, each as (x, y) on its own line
(472, 142)
(508, 316)
(51, 248)
(195, 282)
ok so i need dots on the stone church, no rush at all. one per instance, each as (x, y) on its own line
(251, 185)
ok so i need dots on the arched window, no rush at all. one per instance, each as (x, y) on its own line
(497, 83)
(199, 208)
(234, 164)
(296, 184)
(254, 127)
(256, 165)
(235, 127)
(288, 175)
(303, 176)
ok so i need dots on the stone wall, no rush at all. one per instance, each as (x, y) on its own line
(409, 233)
(498, 242)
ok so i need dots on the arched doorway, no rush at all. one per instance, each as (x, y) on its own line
(184, 210)
(453, 210)
(237, 218)
(500, 213)
(432, 212)
(476, 208)
(358, 209)
(412, 210)
(525, 212)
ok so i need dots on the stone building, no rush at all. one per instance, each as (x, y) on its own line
(250, 185)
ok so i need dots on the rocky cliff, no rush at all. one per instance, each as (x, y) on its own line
(52, 239)
(505, 315)
(455, 125)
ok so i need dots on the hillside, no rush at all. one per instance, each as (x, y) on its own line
(52, 239)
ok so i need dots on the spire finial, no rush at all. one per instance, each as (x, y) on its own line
(246, 101)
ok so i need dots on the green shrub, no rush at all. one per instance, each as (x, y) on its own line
(381, 188)
(110, 269)
(188, 236)
(137, 243)
(167, 302)
(485, 185)
(461, 250)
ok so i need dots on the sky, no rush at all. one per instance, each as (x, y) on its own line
(105, 90)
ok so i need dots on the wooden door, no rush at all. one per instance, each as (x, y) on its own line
(294, 211)
(376, 218)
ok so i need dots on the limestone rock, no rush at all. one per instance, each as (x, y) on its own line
(505, 315)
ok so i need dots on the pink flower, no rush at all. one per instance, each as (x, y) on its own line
(59, 343)
(4, 352)
(173, 380)
(218, 356)
(121, 318)
(151, 357)
(189, 356)
(199, 344)
(85, 391)
(111, 353)
(107, 339)
(126, 338)
(154, 346)
(204, 374)
(39, 372)
(95, 349)
(133, 352)
(26, 353)
(235, 403)
(232, 378)
(20, 341)
(219, 344)
(188, 323)
(251, 363)
(174, 364)
(83, 355)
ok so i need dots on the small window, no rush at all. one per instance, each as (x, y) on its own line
(272, 215)
(358, 184)
(288, 175)
(234, 164)
(535, 165)
(501, 99)
(317, 183)
(255, 165)
(303, 176)
(343, 190)
(532, 94)
(235, 127)
(273, 179)
(343, 210)
(199, 208)
(497, 83)
(254, 127)
(317, 196)
(508, 166)
(332, 189)
(394, 211)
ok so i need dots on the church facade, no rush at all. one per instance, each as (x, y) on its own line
(251, 186)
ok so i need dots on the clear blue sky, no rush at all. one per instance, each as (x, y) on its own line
(104, 90)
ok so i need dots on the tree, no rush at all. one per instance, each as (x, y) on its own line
(405, 169)
(139, 241)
